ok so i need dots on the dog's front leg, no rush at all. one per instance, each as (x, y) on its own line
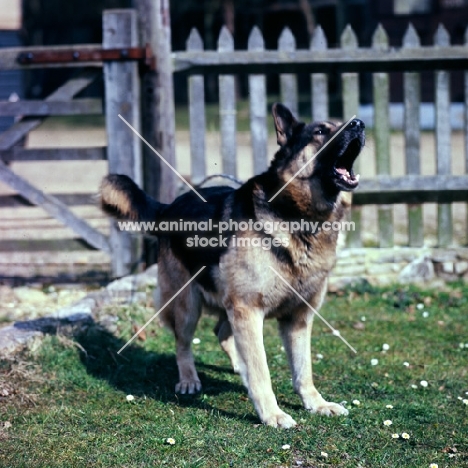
(296, 333)
(247, 327)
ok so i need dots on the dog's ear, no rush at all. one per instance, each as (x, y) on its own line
(284, 123)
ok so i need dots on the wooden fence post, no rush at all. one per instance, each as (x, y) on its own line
(319, 81)
(158, 123)
(350, 83)
(258, 108)
(288, 81)
(443, 140)
(122, 90)
(196, 84)
(157, 104)
(227, 109)
(412, 98)
(381, 88)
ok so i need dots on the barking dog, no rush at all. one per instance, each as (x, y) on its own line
(246, 269)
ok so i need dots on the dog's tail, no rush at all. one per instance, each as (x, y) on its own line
(121, 198)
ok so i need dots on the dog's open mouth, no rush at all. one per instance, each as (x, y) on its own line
(343, 168)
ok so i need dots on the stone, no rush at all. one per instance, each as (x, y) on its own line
(461, 268)
(375, 269)
(447, 267)
(134, 282)
(444, 255)
(12, 339)
(420, 270)
(349, 270)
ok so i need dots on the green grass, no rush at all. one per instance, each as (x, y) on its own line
(68, 408)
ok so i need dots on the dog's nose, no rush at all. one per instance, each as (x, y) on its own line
(357, 123)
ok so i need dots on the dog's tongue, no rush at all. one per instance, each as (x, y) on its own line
(343, 171)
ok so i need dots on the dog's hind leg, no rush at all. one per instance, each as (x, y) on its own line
(223, 331)
(181, 315)
(296, 331)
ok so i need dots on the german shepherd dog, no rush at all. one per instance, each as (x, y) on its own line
(241, 279)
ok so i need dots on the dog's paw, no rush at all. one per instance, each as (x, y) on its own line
(281, 420)
(188, 387)
(330, 409)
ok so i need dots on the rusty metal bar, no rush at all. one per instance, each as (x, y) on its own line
(44, 57)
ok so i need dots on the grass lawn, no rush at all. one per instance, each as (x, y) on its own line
(64, 404)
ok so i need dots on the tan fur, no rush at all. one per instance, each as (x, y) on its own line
(118, 199)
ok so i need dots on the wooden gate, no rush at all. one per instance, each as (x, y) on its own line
(124, 65)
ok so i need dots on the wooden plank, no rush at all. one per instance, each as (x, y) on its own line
(381, 91)
(350, 95)
(443, 143)
(68, 199)
(43, 245)
(227, 109)
(54, 154)
(43, 108)
(74, 86)
(258, 108)
(66, 92)
(411, 189)
(319, 81)
(288, 81)
(329, 61)
(197, 116)
(16, 132)
(55, 208)
(9, 56)
(124, 147)
(412, 102)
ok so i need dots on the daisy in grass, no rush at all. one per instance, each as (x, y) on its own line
(170, 441)
(387, 422)
(286, 447)
(389, 407)
(433, 465)
(395, 436)
(405, 435)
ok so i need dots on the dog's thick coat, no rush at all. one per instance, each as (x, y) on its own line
(237, 280)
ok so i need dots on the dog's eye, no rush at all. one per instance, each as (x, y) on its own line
(320, 131)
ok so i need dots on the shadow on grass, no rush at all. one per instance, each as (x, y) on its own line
(142, 373)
